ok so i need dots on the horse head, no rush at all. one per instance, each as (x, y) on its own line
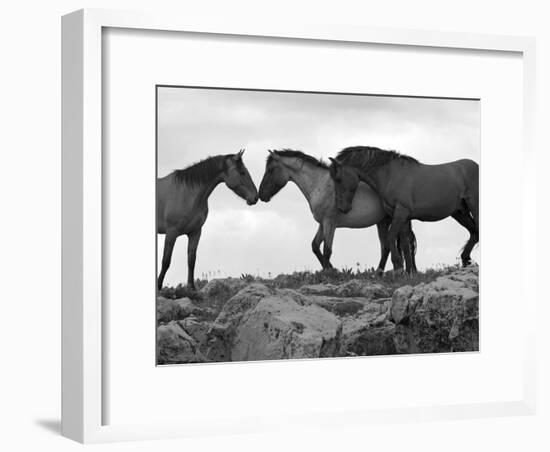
(275, 177)
(237, 178)
(346, 181)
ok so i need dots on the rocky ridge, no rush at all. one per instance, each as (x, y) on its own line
(240, 321)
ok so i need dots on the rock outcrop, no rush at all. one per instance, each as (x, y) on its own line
(240, 321)
(441, 316)
(175, 345)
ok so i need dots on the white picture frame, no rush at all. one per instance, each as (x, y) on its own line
(83, 197)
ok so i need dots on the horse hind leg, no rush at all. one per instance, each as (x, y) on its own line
(472, 203)
(464, 219)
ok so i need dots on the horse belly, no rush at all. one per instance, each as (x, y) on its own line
(439, 209)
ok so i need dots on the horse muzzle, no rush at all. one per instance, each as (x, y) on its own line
(344, 209)
(252, 201)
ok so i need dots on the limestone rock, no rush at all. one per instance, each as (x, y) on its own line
(240, 321)
(263, 323)
(175, 346)
(441, 316)
(168, 309)
(222, 289)
(279, 328)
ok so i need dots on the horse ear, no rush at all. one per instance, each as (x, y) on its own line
(274, 155)
(334, 161)
(240, 153)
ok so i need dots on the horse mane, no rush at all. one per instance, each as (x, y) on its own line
(367, 156)
(202, 172)
(300, 155)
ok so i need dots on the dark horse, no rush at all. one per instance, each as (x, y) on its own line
(313, 179)
(411, 190)
(182, 202)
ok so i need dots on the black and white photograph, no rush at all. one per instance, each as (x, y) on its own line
(276, 226)
(295, 225)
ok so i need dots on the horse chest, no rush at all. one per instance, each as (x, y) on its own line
(319, 208)
(187, 220)
(197, 219)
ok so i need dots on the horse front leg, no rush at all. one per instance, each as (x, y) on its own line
(169, 241)
(328, 232)
(192, 245)
(316, 246)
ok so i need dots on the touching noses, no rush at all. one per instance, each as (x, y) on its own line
(263, 195)
(253, 200)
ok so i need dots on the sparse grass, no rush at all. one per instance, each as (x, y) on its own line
(181, 291)
(248, 277)
(334, 276)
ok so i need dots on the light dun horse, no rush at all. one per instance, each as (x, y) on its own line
(182, 202)
(411, 190)
(313, 179)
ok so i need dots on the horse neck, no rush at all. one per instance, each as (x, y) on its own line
(202, 191)
(207, 189)
(373, 176)
(308, 178)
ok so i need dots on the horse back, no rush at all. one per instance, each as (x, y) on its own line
(430, 192)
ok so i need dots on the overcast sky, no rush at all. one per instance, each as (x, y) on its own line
(275, 237)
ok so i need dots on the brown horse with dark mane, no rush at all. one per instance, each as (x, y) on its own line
(182, 202)
(410, 190)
